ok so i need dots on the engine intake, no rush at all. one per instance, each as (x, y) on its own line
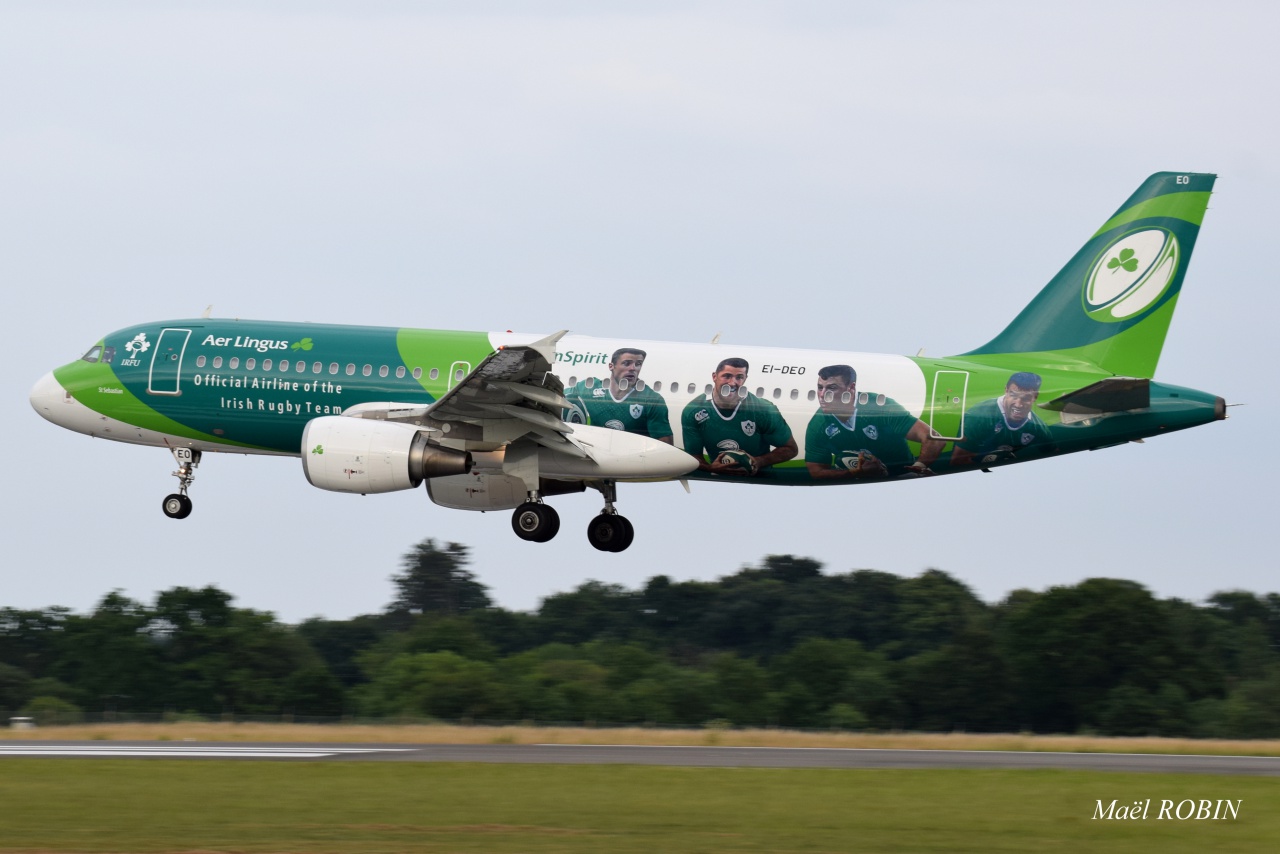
(358, 455)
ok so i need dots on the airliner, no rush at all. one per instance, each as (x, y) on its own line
(504, 421)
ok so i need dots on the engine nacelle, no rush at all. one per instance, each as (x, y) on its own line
(365, 456)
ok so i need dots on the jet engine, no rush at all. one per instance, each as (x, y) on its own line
(360, 455)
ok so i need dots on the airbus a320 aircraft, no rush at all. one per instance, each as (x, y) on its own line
(496, 421)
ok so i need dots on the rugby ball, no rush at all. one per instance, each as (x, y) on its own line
(740, 459)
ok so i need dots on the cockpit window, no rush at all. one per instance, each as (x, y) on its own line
(94, 354)
(109, 355)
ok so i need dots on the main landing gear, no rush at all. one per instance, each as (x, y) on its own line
(610, 531)
(178, 505)
(535, 521)
(538, 522)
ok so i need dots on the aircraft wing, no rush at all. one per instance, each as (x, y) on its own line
(512, 394)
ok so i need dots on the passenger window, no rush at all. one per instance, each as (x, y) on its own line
(399, 372)
(333, 367)
(795, 394)
(382, 371)
(217, 361)
(693, 388)
(417, 373)
(457, 375)
(590, 382)
(367, 370)
(813, 395)
(351, 369)
(200, 360)
(316, 367)
(302, 367)
(657, 386)
(862, 398)
(250, 364)
(760, 391)
(95, 353)
(777, 394)
(266, 364)
(234, 363)
(284, 366)
(846, 398)
(435, 373)
(706, 389)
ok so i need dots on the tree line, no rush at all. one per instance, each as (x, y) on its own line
(779, 644)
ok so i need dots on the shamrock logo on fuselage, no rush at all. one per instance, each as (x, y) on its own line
(304, 344)
(1125, 261)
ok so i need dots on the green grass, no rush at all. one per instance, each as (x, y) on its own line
(206, 806)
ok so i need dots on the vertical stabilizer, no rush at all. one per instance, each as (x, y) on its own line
(1111, 304)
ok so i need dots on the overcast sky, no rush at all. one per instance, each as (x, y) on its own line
(873, 177)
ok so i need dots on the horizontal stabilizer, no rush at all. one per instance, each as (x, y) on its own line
(1114, 394)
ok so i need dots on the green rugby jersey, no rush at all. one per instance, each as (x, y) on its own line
(641, 410)
(756, 426)
(987, 431)
(879, 428)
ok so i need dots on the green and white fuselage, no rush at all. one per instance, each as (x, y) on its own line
(484, 417)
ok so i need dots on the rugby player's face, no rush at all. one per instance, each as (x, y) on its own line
(627, 367)
(727, 381)
(1018, 401)
(836, 398)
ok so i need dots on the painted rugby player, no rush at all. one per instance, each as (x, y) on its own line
(730, 430)
(863, 435)
(621, 401)
(1004, 427)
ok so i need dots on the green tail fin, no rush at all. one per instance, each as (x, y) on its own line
(1111, 304)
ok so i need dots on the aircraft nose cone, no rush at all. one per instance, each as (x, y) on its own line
(47, 394)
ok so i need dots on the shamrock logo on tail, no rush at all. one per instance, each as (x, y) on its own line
(305, 343)
(1125, 261)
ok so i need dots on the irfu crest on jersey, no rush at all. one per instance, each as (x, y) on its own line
(637, 409)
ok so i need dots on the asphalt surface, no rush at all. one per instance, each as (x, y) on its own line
(709, 757)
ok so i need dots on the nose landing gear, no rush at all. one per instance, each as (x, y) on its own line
(178, 505)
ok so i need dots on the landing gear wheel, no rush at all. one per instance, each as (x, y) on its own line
(534, 522)
(177, 506)
(628, 534)
(610, 532)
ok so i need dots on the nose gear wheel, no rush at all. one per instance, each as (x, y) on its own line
(177, 505)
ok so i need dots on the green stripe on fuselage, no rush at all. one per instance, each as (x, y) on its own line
(445, 351)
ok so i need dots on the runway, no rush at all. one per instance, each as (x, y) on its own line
(709, 757)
